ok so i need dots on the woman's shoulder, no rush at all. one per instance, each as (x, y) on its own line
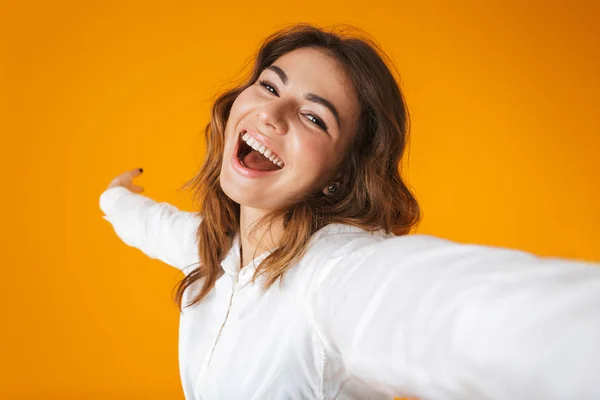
(330, 244)
(336, 239)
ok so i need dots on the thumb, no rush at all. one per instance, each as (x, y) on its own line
(136, 188)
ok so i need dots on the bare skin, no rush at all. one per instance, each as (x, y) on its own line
(126, 179)
(308, 136)
(277, 110)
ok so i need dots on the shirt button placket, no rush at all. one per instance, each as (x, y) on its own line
(235, 282)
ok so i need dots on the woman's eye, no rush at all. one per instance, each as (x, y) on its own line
(318, 122)
(268, 86)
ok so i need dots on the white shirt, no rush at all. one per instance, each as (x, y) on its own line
(372, 316)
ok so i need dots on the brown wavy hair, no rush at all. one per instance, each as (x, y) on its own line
(372, 194)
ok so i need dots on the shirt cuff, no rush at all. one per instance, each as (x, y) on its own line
(108, 197)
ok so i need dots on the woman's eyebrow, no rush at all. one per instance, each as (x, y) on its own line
(315, 98)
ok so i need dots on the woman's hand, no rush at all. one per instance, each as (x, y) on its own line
(126, 180)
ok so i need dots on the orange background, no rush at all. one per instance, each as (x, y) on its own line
(505, 151)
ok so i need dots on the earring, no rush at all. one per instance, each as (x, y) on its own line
(332, 189)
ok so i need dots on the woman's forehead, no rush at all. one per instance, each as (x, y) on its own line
(315, 68)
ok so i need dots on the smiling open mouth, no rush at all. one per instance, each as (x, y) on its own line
(254, 155)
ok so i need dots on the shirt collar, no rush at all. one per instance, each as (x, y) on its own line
(231, 262)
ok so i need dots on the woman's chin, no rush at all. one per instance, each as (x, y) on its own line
(255, 193)
(244, 194)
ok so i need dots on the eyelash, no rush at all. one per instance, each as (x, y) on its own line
(319, 122)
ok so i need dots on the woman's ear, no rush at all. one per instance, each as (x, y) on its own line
(332, 189)
(333, 186)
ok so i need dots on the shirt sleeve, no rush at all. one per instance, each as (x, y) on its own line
(158, 229)
(424, 316)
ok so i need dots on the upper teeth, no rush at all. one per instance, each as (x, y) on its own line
(250, 141)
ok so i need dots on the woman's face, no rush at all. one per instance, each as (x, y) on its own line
(301, 113)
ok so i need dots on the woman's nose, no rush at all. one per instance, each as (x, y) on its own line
(273, 117)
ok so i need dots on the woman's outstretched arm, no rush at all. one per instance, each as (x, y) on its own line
(159, 230)
(424, 316)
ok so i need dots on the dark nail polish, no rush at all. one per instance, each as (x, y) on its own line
(141, 169)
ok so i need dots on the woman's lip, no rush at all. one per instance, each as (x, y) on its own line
(247, 172)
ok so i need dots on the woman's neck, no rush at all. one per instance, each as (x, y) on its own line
(250, 247)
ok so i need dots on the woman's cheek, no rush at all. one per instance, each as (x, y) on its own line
(242, 104)
(314, 155)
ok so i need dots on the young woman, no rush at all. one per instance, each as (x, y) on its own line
(301, 187)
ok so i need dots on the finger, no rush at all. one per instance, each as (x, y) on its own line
(137, 189)
(135, 172)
